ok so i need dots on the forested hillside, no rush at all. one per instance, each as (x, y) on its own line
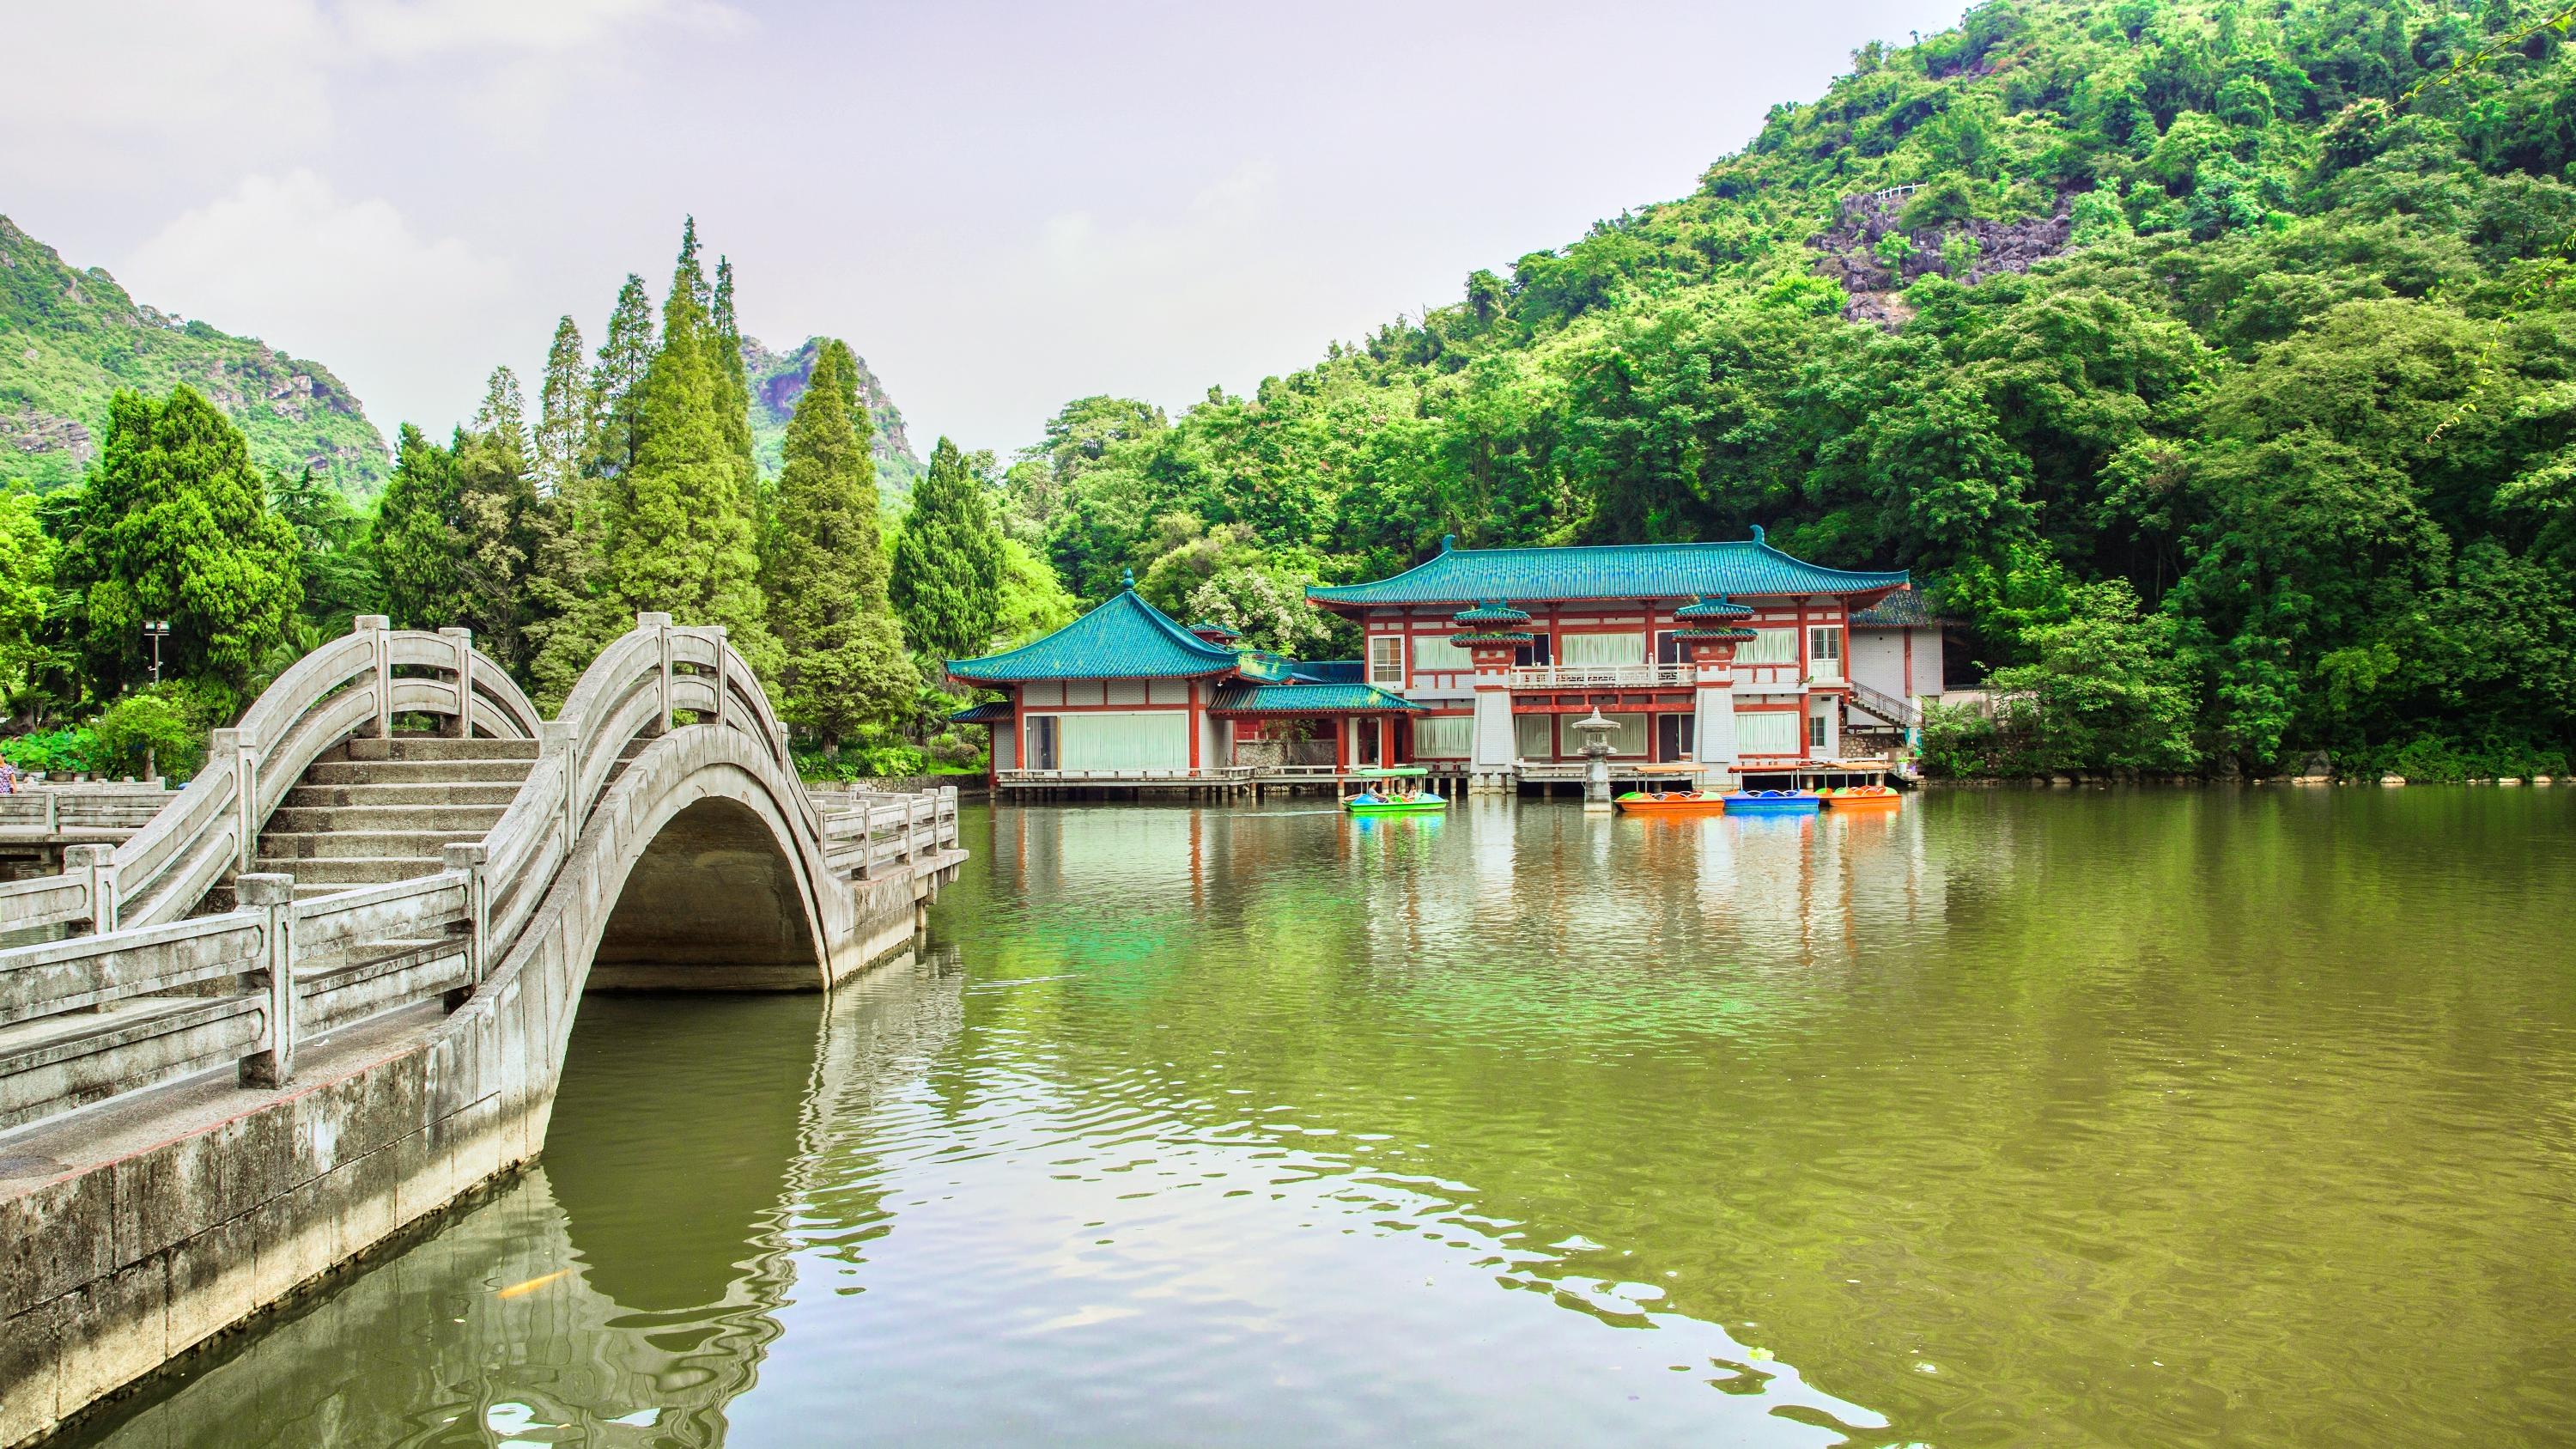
(2207, 359)
(69, 339)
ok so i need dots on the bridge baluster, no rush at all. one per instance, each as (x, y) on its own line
(471, 857)
(462, 727)
(660, 624)
(273, 897)
(374, 627)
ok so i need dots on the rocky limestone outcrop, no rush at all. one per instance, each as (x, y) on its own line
(34, 432)
(1871, 285)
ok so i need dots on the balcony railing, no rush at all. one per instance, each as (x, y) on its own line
(1602, 676)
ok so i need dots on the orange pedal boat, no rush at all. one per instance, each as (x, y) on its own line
(1689, 801)
(1677, 802)
(1860, 797)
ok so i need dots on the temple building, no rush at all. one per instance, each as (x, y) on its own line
(1125, 695)
(1733, 654)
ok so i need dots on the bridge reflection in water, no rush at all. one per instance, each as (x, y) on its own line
(623, 1291)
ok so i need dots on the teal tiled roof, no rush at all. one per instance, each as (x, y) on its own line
(1125, 638)
(1607, 571)
(1472, 638)
(1713, 632)
(1204, 627)
(1308, 699)
(1903, 609)
(991, 711)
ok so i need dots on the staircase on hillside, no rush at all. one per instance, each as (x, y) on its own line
(376, 810)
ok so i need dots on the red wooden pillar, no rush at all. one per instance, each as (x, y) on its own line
(1341, 746)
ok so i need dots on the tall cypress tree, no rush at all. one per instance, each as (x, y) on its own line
(625, 353)
(496, 502)
(675, 535)
(948, 564)
(562, 440)
(174, 524)
(726, 340)
(845, 667)
(561, 540)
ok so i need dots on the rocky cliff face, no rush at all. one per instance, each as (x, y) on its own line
(73, 337)
(1852, 251)
(778, 379)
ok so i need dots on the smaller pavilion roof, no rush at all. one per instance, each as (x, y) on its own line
(1125, 638)
(991, 711)
(1718, 631)
(1720, 607)
(1203, 628)
(1489, 613)
(1309, 699)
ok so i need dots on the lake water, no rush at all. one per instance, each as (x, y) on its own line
(2167, 1117)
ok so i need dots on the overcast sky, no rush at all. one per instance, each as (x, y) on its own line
(1001, 206)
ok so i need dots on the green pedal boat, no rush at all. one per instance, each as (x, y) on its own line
(1393, 799)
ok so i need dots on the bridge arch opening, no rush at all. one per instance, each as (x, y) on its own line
(712, 904)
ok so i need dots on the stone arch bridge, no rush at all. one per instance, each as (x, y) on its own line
(325, 991)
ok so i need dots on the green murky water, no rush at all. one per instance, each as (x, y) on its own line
(2164, 1118)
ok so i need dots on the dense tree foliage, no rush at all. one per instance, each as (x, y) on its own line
(174, 525)
(2252, 308)
(948, 563)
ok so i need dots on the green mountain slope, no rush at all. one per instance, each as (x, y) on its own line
(2208, 357)
(778, 379)
(69, 339)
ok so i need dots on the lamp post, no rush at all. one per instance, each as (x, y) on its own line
(155, 630)
(1596, 733)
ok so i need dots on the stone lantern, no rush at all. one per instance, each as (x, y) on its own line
(1596, 733)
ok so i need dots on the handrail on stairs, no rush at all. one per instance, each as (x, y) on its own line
(348, 687)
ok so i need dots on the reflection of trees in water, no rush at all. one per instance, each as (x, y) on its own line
(623, 1292)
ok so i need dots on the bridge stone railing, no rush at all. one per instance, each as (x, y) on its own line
(143, 1002)
(354, 685)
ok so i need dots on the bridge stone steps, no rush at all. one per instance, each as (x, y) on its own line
(340, 872)
(432, 792)
(286, 850)
(379, 810)
(416, 772)
(300, 820)
(440, 747)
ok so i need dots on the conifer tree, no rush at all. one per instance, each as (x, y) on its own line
(174, 524)
(948, 564)
(496, 515)
(624, 355)
(564, 421)
(562, 535)
(674, 534)
(845, 667)
(726, 341)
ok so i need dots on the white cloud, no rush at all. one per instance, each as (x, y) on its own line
(413, 29)
(98, 91)
(288, 259)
